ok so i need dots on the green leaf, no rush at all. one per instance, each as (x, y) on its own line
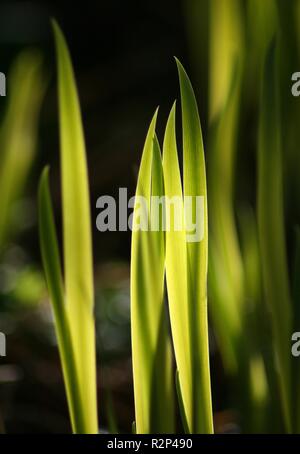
(78, 268)
(18, 132)
(226, 42)
(151, 346)
(226, 272)
(262, 22)
(186, 262)
(271, 227)
(194, 181)
(296, 324)
(296, 281)
(52, 267)
(176, 268)
(181, 404)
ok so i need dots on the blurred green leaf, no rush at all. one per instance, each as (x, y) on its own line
(18, 132)
(226, 47)
(296, 324)
(262, 21)
(226, 273)
(271, 227)
(225, 263)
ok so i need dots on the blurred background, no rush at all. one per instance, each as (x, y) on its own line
(123, 59)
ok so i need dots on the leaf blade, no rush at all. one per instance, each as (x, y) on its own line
(18, 133)
(176, 267)
(77, 232)
(151, 349)
(194, 181)
(270, 213)
(51, 263)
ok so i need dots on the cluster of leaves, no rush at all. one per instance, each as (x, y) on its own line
(185, 264)
(152, 253)
(246, 259)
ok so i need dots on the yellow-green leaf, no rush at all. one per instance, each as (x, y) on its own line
(186, 262)
(52, 267)
(194, 182)
(176, 268)
(151, 347)
(78, 270)
(18, 132)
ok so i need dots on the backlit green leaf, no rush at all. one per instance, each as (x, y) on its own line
(176, 268)
(186, 262)
(52, 267)
(194, 182)
(78, 270)
(151, 347)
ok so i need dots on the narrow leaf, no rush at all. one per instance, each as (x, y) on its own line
(226, 46)
(194, 180)
(296, 324)
(271, 227)
(226, 272)
(176, 267)
(18, 132)
(151, 349)
(52, 267)
(77, 233)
